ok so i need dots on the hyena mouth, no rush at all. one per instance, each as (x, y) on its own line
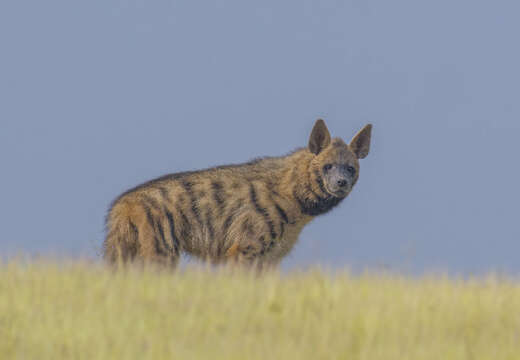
(342, 192)
(339, 193)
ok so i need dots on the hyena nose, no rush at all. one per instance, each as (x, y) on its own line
(342, 183)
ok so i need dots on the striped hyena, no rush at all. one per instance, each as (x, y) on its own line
(250, 213)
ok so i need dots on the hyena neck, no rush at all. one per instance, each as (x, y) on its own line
(317, 206)
(305, 185)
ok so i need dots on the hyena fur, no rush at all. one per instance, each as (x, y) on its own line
(249, 213)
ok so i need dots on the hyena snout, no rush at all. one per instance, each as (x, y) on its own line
(339, 180)
(341, 183)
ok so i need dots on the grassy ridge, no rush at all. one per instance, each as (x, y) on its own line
(89, 312)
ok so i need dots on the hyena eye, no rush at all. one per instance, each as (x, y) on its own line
(327, 167)
(351, 170)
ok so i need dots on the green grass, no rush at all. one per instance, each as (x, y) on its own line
(53, 311)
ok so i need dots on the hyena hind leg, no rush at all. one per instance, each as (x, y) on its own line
(139, 245)
(155, 249)
(120, 246)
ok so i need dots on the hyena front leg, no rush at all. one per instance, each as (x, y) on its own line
(248, 253)
(248, 237)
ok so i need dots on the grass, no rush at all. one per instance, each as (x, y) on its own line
(82, 311)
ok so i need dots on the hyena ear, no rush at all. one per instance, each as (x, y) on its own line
(360, 143)
(320, 137)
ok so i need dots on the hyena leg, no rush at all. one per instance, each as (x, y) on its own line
(156, 239)
(141, 232)
(155, 247)
(248, 253)
(248, 238)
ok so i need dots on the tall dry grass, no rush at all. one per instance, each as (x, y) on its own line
(57, 311)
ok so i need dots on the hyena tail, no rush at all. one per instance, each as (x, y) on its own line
(121, 244)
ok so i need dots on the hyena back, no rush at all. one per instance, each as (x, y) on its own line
(249, 213)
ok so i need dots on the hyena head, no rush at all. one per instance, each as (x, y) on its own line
(335, 162)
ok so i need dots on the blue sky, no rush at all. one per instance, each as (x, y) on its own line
(98, 96)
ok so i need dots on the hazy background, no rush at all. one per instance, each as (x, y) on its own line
(97, 96)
